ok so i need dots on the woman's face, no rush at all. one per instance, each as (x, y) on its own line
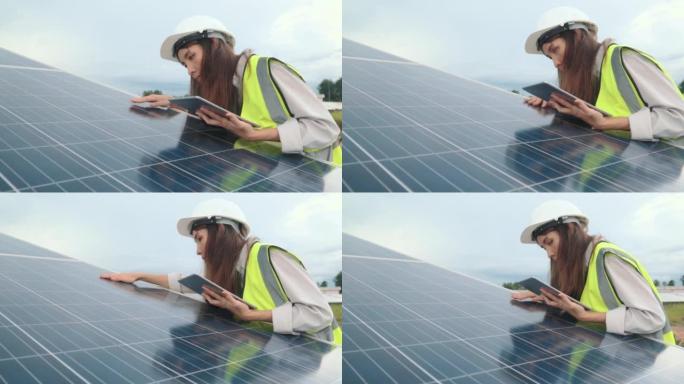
(191, 58)
(550, 241)
(555, 50)
(200, 236)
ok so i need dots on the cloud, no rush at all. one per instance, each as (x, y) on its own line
(307, 218)
(310, 36)
(659, 28)
(655, 228)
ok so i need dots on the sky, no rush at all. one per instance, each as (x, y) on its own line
(484, 39)
(137, 232)
(479, 234)
(117, 42)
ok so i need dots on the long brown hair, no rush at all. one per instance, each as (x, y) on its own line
(223, 246)
(578, 63)
(568, 271)
(216, 74)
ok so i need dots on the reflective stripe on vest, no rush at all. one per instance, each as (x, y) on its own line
(598, 293)
(618, 95)
(263, 103)
(263, 289)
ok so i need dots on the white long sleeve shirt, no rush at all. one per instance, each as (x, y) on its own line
(312, 126)
(641, 312)
(307, 310)
(663, 118)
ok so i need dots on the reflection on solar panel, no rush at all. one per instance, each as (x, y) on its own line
(60, 323)
(410, 321)
(59, 132)
(409, 127)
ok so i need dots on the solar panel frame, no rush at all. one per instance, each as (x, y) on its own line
(59, 132)
(409, 321)
(410, 127)
(60, 323)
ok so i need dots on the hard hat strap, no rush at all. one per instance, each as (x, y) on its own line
(215, 220)
(555, 31)
(185, 40)
(552, 224)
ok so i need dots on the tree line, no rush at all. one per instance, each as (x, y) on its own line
(331, 90)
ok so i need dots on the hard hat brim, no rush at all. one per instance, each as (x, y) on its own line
(166, 50)
(526, 235)
(531, 42)
(184, 226)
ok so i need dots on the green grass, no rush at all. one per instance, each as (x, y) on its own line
(675, 312)
(337, 115)
(337, 311)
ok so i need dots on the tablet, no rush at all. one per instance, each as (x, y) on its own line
(536, 285)
(191, 104)
(195, 283)
(544, 90)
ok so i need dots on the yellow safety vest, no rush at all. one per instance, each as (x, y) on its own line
(598, 293)
(618, 95)
(263, 104)
(262, 287)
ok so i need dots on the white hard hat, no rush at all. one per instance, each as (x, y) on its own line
(215, 211)
(192, 29)
(550, 214)
(555, 21)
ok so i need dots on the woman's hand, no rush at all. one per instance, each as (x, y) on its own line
(154, 100)
(579, 109)
(228, 121)
(535, 101)
(522, 295)
(225, 300)
(121, 277)
(564, 303)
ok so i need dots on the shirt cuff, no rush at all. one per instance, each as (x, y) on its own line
(615, 320)
(282, 319)
(640, 125)
(290, 137)
(174, 285)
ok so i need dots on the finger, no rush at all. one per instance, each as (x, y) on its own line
(558, 108)
(210, 113)
(232, 117)
(560, 100)
(105, 275)
(210, 292)
(582, 106)
(209, 299)
(140, 99)
(203, 117)
(228, 297)
(548, 295)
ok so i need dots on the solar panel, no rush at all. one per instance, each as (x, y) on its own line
(409, 127)
(409, 321)
(60, 323)
(59, 132)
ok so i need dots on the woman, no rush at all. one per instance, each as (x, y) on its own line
(599, 274)
(268, 277)
(262, 90)
(628, 84)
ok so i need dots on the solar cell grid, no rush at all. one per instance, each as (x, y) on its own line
(59, 132)
(409, 127)
(410, 321)
(60, 323)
